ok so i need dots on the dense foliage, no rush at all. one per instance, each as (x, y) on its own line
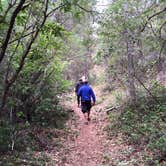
(142, 126)
(132, 40)
(47, 45)
(38, 42)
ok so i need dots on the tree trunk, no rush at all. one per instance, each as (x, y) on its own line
(130, 56)
(22, 61)
(9, 31)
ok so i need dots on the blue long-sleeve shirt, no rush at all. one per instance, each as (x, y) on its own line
(86, 93)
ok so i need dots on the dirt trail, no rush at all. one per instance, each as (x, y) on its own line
(88, 145)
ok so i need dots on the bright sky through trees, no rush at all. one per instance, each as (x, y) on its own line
(102, 4)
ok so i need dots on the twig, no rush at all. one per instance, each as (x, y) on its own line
(52, 11)
(111, 109)
(21, 37)
(149, 18)
(154, 98)
(89, 11)
(164, 24)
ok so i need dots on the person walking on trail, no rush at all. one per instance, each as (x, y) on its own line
(77, 87)
(88, 99)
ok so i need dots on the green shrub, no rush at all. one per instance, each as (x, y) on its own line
(145, 125)
(5, 140)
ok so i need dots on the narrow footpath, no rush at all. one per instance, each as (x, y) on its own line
(89, 145)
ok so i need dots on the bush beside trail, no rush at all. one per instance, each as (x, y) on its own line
(143, 126)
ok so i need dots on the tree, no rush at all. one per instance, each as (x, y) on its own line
(34, 40)
(123, 24)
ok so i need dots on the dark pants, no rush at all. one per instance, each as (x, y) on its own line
(78, 99)
(86, 106)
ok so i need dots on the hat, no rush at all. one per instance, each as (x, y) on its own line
(84, 79)
(80, 79)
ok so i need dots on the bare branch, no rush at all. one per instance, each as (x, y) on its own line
(154, 98)
(86, 10)
(164, 24)
(52, 11)
(21, 37)
(25, 6)
(149, 18)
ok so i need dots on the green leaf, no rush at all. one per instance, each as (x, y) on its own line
(1, 8)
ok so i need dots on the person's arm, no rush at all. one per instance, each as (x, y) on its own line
(78, 97)
(93, 96)
(76, 88)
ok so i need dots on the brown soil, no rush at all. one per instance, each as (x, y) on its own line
(88, 147)
(88, 144)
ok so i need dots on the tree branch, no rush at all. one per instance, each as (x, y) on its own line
(160, 30)
(21, 37)
(10, 5)
(11, 25)
(86, 10)
(18, 42)
(22, 61)
(149, 18)
(52, 11)
(154, 98)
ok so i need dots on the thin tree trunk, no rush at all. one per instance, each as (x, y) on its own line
(35, 33)
(130, 56)
(25, 53)
(153, 97)
(11, 25)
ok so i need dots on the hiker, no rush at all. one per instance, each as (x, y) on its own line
(77, 87)
(87, 96)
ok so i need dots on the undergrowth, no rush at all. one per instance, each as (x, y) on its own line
(143, 126)
(25, 143)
